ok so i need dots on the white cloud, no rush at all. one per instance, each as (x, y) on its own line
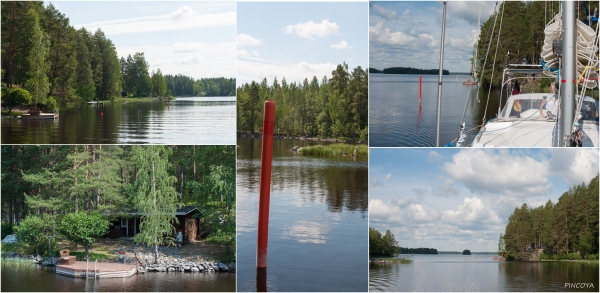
(446, 189)
(383, 36)
(183, 18)
(434, 156)
(244, 40)
(471, 211)
(341, 45)
(575, 166)
(499, 172)
(388, 176)
(469, 11)
(310, 29)
(188, 47)
(386, 13)
(217, 59)
(406, 12)
(255, 53)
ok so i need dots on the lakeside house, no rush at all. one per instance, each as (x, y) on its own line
(129, 226)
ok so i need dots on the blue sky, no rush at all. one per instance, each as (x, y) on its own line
(455, 199)
(197, 39)
(300, 40)
(408, 33)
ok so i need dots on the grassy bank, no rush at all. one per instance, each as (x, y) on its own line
(391, 259)
(141, 99)
(338, 149)
(13, 114)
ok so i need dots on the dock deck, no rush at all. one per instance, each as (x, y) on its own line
(105, 270)
(42, 116)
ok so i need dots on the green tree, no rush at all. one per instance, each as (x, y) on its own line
(14, 97)
(501, 245)
(32, 231)
(159, 86)
(84, 77)
(84, 228)
(375, 242)
(154, 194)
(37, 84)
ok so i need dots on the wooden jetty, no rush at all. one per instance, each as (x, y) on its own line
(84, 269)
(41, 116)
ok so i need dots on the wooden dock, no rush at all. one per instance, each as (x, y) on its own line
(41, 116)
(103, 270)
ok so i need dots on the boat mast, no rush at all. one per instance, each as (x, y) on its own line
(439, 104)
(475, 76)
(567, 90)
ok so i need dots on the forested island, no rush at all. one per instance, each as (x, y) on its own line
(47, 190)
(466, 252)
(47, 63)
(567, 229)
(409, 70)
(382, 245)
(335, 107)
(420, 250)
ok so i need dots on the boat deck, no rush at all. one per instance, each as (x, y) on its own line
(105, 270)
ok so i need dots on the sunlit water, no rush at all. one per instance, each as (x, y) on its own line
(198, 120)
(318, 233)
(479, 273)
(395, 119)
(33, 278)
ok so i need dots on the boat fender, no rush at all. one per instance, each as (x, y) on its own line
(449, 145)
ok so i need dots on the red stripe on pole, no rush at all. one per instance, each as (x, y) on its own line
(563, 80)
(265, 185)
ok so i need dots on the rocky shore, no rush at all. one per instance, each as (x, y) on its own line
(170, 259)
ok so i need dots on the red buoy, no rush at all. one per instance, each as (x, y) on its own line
(265, 184)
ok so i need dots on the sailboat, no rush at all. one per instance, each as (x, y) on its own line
(570, 54)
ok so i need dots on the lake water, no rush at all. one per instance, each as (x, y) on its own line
(198, 120)
(318, 228)
(33, 278)
(396, 121)
(479, 273)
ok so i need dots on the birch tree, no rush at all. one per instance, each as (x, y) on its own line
(154, 194)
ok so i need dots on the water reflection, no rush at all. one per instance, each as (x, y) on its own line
(318, 217)
(479, 273)
(399, 117)
(183, 121)
(30, 278)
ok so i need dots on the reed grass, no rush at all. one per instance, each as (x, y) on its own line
(337, 149)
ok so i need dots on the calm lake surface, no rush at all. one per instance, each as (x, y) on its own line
(198, 120)
(454, 272)
(395, 119)
(33, 278)
(318, 228)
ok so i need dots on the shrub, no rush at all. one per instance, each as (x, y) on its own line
(15, 97)
(83, 228)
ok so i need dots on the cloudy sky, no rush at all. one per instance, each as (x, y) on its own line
(191, 38)
(300, 40)
(408, 34)
(454, 199)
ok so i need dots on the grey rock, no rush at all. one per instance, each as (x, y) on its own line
(195, 269)
(186, 267)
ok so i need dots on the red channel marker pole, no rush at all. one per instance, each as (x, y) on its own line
(265, 184)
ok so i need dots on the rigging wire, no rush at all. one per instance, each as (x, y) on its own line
(493, 64)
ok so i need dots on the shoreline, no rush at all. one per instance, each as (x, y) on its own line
(293, 137)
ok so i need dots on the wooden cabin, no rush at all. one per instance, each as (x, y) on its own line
(129, 226)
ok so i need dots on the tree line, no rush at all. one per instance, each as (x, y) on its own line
(410, 70)
(57, 64)
(382, 245)
(420, 250)
(53, 182)
(520, 34)
(565, 229)
(334, 107)
(185, 86)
